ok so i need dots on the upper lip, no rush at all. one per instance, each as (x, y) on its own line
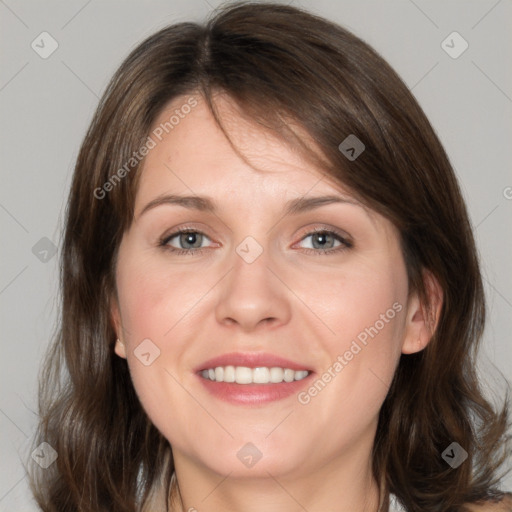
(251, 360)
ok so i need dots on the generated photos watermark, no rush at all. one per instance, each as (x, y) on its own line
(151, 142)
(357, 345)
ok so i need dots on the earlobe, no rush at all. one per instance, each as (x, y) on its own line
(115, 317)
(422, 319)
(120, 349)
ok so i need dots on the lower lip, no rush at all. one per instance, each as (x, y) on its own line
(253, 394)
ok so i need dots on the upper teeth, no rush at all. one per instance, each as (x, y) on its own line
(260, 375)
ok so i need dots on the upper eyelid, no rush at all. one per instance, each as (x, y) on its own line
(307, 232)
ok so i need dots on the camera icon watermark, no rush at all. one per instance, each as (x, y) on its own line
(249, 455)
(146, 352)
(455, 455)
(44, 45)
(454, 45)
(249, 249)
(44, 455)
(44, 250)
(351, 147)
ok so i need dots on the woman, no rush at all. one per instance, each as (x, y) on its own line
(271, 294)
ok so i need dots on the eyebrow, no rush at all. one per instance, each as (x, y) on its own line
(206, 204)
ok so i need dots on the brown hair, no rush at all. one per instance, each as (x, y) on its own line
(278, 63)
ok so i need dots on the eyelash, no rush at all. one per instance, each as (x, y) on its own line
(345, 244)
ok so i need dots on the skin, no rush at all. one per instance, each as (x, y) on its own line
(303, 306)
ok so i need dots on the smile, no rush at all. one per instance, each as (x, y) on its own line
(259, 375)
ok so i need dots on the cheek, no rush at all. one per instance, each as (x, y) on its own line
(366, 312)
(157, 305)
(161, 306)
(154, 300)
(364, 303)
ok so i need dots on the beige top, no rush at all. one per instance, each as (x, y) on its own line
(394, 506)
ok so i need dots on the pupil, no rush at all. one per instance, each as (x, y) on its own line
(321, 240)
(190, 238)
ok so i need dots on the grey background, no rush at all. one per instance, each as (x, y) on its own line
(47, 104)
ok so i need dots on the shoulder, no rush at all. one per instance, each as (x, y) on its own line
(503, 505)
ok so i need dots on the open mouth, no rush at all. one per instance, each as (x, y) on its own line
(259, 375)
(253, 378)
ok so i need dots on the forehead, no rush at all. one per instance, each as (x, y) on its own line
(191, 152)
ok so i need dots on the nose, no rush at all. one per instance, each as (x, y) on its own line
(253, 294)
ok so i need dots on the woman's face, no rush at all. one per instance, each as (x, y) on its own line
(270, 277)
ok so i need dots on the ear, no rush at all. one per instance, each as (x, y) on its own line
(422, 321)
(115, 317)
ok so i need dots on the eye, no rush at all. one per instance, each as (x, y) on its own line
(324, 241)
(188, 240)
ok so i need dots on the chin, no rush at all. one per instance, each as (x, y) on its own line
(248, 460)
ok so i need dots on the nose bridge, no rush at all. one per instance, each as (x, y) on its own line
(251, 292)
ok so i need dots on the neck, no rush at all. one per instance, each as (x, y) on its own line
(352, 490)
